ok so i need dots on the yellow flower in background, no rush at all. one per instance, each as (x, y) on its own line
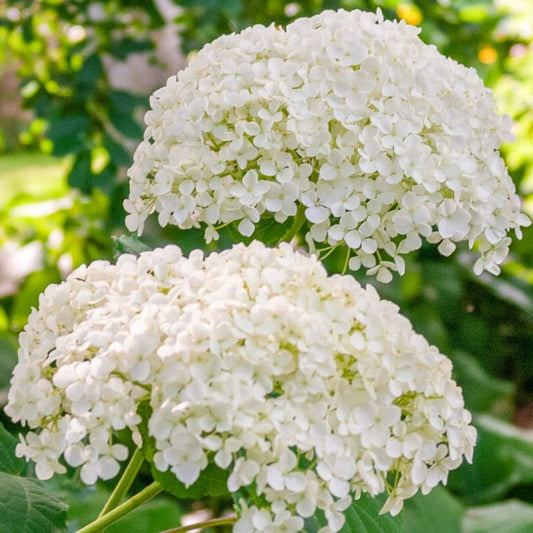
(411, 14)
(487, 54)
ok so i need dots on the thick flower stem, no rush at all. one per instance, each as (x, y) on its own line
(203, 525)
(125, 482)
(298, 222)
(112, 516)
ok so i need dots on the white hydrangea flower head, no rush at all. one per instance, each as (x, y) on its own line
(344, 121)
(307, 388)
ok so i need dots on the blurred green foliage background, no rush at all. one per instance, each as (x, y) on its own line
(67, 132)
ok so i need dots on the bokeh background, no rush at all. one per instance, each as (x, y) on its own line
(75, 77)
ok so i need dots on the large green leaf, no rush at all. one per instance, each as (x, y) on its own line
(122, 106)
(508, 517)
(80, 173)
(503, 458)
(482, 391)
(363, 517)
(9, 463)
(69, 134)
(117, 153)
(438, 512)
(27, 507)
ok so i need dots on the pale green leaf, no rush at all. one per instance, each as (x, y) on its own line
(508, 517)
(27, 507)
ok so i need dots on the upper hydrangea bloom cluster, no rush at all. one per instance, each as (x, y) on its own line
(309, 389)
(373, 136)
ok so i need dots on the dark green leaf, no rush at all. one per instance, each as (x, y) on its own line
(8, 360)
(438, 512)
(512, 290)
(80, 174)
(124, 102)
(267, 230)
(125, 123)
(212, 482)
(503, 458)
(91, 72)
(116, 212)
(27, 30)
(482, 392)
(508, 517)
(122, 48)
(363, 517)
(69, 134)
(27, 507)
(9, 463)
(106, 179)
(117, 153)
(157, 20)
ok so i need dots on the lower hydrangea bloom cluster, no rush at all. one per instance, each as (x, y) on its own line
(345, 120)
(308, 389)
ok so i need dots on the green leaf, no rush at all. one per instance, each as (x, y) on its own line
(508, 517)
(212, 480)
(157, 20)
(122, 48)
(267, 230)
(503, 458)
(438, 512)
(80, 173)
(513, 290)
(8, 360)
(363, 517)
(126, 124)
(130, 244)
(28, 295)
(27, 507)
(69, 134)
(9, 463)
(27, 30)
(482, 392)
(91, 71)
(106, 180)
(122, 106)
(117, 153)
(87, 79)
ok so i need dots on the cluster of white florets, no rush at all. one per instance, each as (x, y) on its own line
(345, 119)
(309, 389)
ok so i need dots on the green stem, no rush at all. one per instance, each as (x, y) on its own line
(346, 261)
(202, 525)
(298, 222)
(112, 516)
(125, 482)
